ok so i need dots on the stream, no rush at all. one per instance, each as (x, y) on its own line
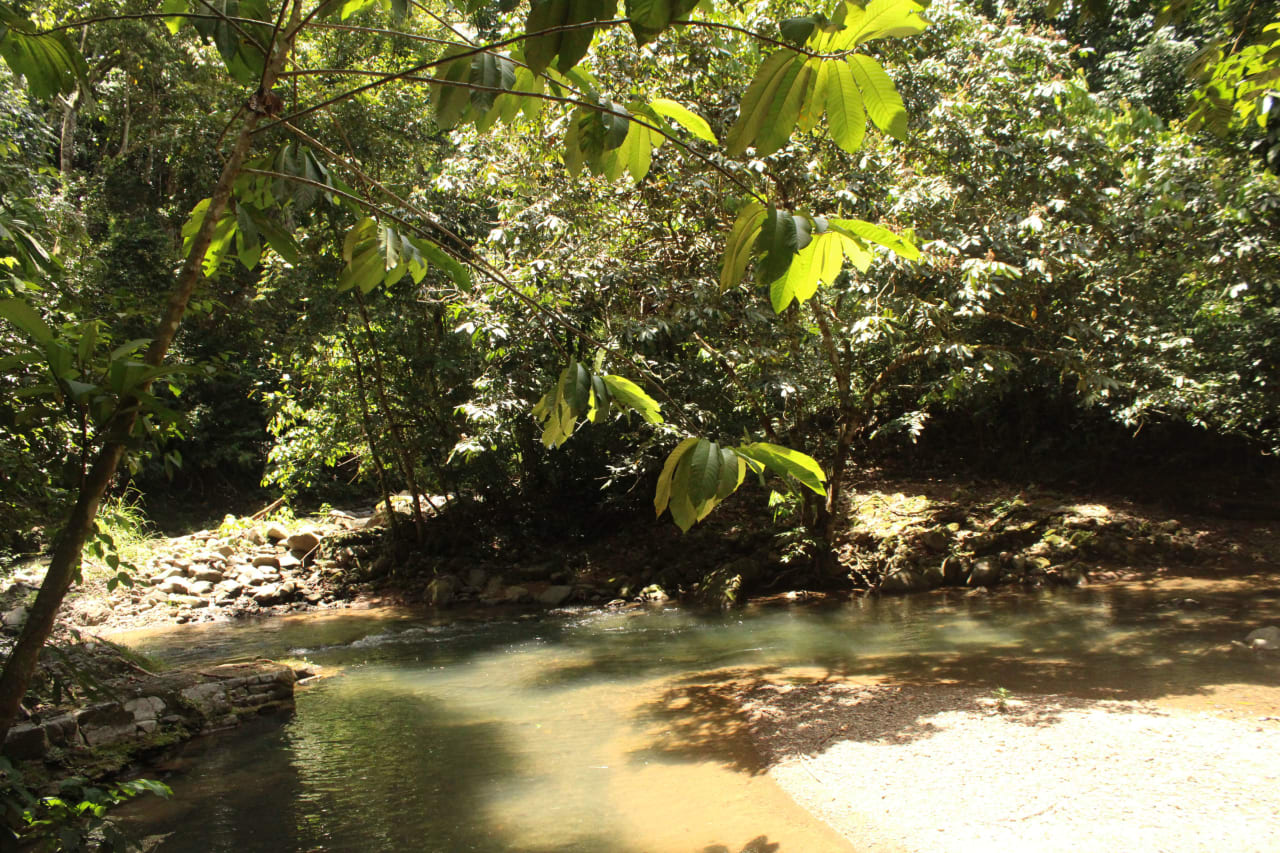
(557, 731)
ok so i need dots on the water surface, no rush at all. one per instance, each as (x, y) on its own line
(556, 732)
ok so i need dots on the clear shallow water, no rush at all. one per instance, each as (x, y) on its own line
(555, 732)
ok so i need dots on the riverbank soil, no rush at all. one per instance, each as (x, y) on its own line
(900, 536)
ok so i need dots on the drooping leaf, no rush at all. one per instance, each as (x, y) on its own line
(782, 235)
(742, 239)
(787, 462)
(753, 111)
(684, 117)
(875, 234)
(650, 18)
(783, 111)
(569, 43)
(630, 394)
(20, 313)
(663, 494)
(580, 394)
(846, 117)
(880, 98)
(49, 63)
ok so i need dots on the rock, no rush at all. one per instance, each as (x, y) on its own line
(517, 594)
(193, 601)
(62, 730)
(554, 596)
(1266, 638)
(305, 542)
(985, 573)
(105, 723)
(26, 742)
(175, 585)
(260, 560)
(934, 539)
(654, 592)
(256, 537)
(285, 562)
(275, 531)
(267, 594)
(441, 590)
(904, 580)
(145, 708)
(210, 575)
(228, 589)
(954, 570)
(493, 588)
(202, 588)
(14, 618)
(225, 551)
(476, 578)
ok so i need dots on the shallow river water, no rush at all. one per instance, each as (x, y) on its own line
(559, 732)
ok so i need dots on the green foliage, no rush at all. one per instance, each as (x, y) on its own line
(74, 819)
(48, 61)
(581, 394)
(699, 474)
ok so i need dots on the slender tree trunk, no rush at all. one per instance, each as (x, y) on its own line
(69, 545)
(366, 423)
(397, 434)
(67, 139)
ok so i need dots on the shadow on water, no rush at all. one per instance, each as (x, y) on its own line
(575, 731)
(351, 775)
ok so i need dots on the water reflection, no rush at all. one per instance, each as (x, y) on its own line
(624, 732)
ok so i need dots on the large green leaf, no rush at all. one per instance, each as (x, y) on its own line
(753, 111)
(629, 394)
(742, 239)
(567, 46)
(650, 18)
(788, 463)
(684, 117)
(21, 314)
(879, 96)
(888, 19)
(580, 394)
(783, 112)
(49, 62)
(782, 235)
(846, 117)
(875, 234)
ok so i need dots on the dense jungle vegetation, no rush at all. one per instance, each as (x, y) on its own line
(583, 254)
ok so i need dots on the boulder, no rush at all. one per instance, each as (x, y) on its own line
(476, 578)
(1266, 638)
(275, 531)
(260, 560)
(517, 595)
(554, 596)
(145, 708)
(202, 588)
(267, 594)
(286, 562)
(105, 723)
(904, 580)
(175, 585)
(207, 574)
(305, 542)
(228, 589)
(14, 618)
(935, 539)
(26, 742)
(225, 551)
(441, 590)
(985, 573)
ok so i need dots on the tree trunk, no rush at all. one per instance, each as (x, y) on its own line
(69, 545)
(366, 422)
(67, 139)
(393, 424)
